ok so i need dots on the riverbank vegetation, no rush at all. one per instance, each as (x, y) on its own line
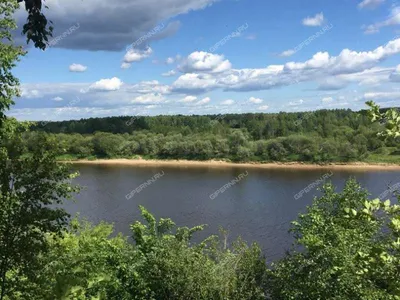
(315, 137)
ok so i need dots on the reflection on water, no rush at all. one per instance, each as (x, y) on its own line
(259, 207)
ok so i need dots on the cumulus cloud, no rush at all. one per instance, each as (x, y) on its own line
(395, 76)
(169, 73)
(392, 20)
(376, 96)
(149, 98)
(327, 99)
(135, 55)
(255, 100)
(77, 68)
(195, 83)
(295, 103)
(170, 60)
(112, 84)
(348, 67)
(125, 65)
(112, 25)
(58, 99)
(287, 53)
(204, 62)
(203, 101)
(370, 3)
(321, 65)
(189, 99)
(147, 87)
(228, 102)
(30, 93)
(317, 20)
(373, 76)
(263, 107)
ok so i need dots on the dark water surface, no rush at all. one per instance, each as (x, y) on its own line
(259, 207)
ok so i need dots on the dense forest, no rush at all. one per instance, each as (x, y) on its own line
(320, 136)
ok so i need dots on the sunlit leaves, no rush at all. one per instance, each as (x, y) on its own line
(347, 248)
(390, 119)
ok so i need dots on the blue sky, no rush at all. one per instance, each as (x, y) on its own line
(210, 57)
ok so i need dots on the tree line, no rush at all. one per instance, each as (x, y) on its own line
(320, 136)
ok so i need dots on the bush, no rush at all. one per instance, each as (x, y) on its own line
(347, 247)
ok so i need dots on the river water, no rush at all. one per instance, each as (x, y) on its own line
(256, 204)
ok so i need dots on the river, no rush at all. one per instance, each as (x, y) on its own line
(257, 205)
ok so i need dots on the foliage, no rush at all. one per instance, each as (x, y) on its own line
(86, 263)
(82, 263)
(36, 27)
(390, 119)
(347, 247)
(9, 54)
(30, 187)
(324, 136)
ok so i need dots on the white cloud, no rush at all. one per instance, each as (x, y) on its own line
(382, 96)
(147, 87)
(347, 61)
(204, 62)
(370, 3)
(125, 65)
(327, 100)
(57, 99)
(322, 66)
(170, 60)
(295, 103)
(287, 53)
(149, 98)
(195, 83)
(135, 55)
(77, 68)
(392, 20)
(189, 99)
(169, 73)
(395, 76)
(30, 93)
(373, 76)
(255, 100)
(112, 84)
(228, 102)
(203, 101)
(317, 20)
(263, 107)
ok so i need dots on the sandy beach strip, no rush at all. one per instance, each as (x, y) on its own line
(223, 164)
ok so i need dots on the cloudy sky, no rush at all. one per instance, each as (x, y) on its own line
(151, 57)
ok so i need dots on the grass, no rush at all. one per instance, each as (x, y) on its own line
(383, 158)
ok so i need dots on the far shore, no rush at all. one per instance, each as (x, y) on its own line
(222, 164)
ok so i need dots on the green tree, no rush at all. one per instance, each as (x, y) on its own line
(107, 144)
(31, 186)
(30, 189)
(347, 247)
(9, 54)
(390, 119)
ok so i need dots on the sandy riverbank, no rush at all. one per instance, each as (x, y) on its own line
(222, 164)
